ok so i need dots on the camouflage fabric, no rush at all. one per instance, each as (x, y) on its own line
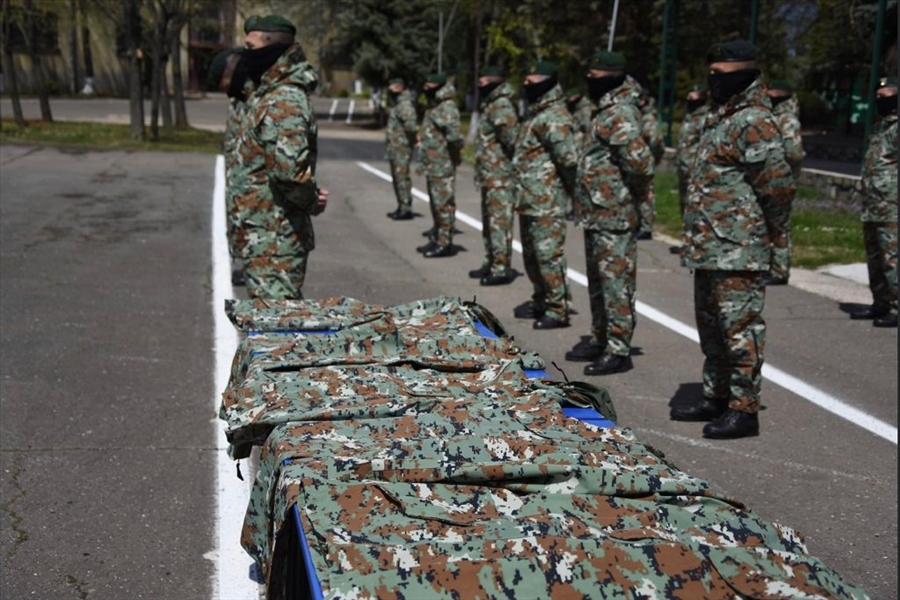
(546, 160)
(440, 144)
(498, 127)
(582, 114)
(787, 116)
(650, 129)
(611, 258)
(277, 156)
(688, 138)
(728, 307)
(740, 190)
(400, 139)
(234, 233)
(879, 215)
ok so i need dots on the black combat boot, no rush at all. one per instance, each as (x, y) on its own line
(438, 251)
(495, 279)
(585, 351)
(886, 321)
(869, 312)
(707, 409)
(731, 425)
(608, 364)
(548, 322)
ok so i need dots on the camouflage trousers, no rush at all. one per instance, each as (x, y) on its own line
(234, 233)
(881, 257)
(647, 211)
(682, 192)
(781, 251)
(497, 208)
(728, 306)
(611, 258)
(276, 277)
(441, 196)
(543, 251)
(402, 182)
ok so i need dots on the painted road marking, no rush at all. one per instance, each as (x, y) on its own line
(797, 386)
(350, 110)
(334, 104)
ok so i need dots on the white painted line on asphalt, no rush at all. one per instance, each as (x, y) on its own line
(334, 104)
(811, 393)
(350, 110)
(231, 575)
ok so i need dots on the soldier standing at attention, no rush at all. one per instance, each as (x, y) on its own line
(786, 109)
(739, 190)
(498, 126)
(879, 215)
(696, 106)
(277, 157)
(400, 139)
(440, 147)
(615, 168)
(545, 161)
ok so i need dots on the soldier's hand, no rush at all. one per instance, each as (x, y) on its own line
(321, 201)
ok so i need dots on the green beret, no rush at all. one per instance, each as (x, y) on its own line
(438, 78)
(394, 80)
(781, 85)
(269, 23)
(492, 71)
(736, 51)
(888, 81)
(542, 67)
(572, 91)
(218, 64)
(698, 87)
(607, 61)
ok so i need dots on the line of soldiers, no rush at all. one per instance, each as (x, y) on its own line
(270, 150)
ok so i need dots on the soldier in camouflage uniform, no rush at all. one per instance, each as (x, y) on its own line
(400, 139)
(498, 126)
(696, 107)
(615, 168)
(653, 138)
(739, 192)
(277, 161)
(582, 109)
(545, 160)
(440, 147)
(786, 109)
(226, 73)
(879, 215)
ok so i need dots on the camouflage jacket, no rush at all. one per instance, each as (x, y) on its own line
(615, 168)
(879, 174)
(650, 130)
(546, 157)
(582, 115)
(787, 114)
(440, 140)
(740, 187)
(232, 131)
(277, 155)
(688, 138)
(400, 136)
(498, 126)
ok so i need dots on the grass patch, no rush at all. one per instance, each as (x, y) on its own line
(106, 136)
(824, 232)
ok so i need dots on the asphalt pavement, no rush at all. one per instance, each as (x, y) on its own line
(108, 442)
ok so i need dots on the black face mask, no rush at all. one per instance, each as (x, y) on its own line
(776, 100)
(599, 86)
(722, 86)
(886, 105)
(534, 91)
(572, 104)
(693, 105)
(238, 79)
(431, 94)
(485, 90)
(259, 60)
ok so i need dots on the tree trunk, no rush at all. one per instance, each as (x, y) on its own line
(135, 97)
(9, 68)
(165, 104)
(73, 45)
(181, 120)
(155, 86)
(32, 41)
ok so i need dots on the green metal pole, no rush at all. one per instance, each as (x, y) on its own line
(673, 73)
(663, 61)
(873, 76)
(754, 17)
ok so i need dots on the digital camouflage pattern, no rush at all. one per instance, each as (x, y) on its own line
(458, 480)
(879, 214)
(688, 138)
(615, 169)
(277, 188)
(787, 115)
(440, 145)
(546, 160)
(495, 144)
(400, 139)
(582, 113)
(233, 210)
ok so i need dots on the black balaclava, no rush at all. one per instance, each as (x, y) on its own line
(432, 93)
(238, 79)
(599, 86)
(722, 86)
(776, 100)
(485, 90)
(534, 91)
(694, 104)
(886, 105)
(259, 60)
